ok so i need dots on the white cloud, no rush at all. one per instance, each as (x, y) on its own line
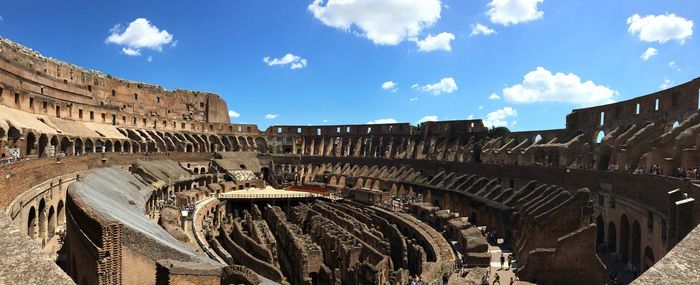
(446, 85)
(294, 61)
(429, 118)
(666, 84)
(325, 121)
(494, 96)
(674, 66)
(499, 117)
(440, 41)
(271, 116)
(481, 107)
(412, 99)
(471, 117)
(480, 29)
(2, 19)
(513, 123)
(384, 22)
(131, 52)
(383, 121)
(139, 34)
(540, 85)
(649, 53)
(233, 114)
(511, 12)
(415, 85)
(390, 85)
(660, 28)
(149, 58)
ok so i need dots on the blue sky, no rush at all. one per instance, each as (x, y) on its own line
(536, 56)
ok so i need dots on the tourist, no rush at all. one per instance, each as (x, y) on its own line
(496, 278)
(485, 279)
(503, 260)
(510, 260)
(511, 281)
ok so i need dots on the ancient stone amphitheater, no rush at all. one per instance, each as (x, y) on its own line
(110, 181)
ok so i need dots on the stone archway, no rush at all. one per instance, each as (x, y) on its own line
(66, 146)
(43, 142)
(60, 215)
(612, 237)
(42, 223)
(30, 141)
(109, 146)
(51, 226)
(648, 258)
(117, 146)
(261, 144)
(636, 250)
(624, 239)
(600, 231)
(89, 146)
(78, 146)
(31, 223)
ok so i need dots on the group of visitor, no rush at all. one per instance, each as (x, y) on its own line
(490, 234)
(654, 170)
(691, 173)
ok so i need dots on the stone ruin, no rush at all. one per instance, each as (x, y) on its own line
(111, 181)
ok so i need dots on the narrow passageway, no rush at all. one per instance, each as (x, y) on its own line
(504, 272)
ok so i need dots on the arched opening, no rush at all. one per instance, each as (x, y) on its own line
(66, 146)
(99, 146)
(117, 146)
(89, 146)
(78, 146)
(127, 146)
(612, 237)
(244, 145)
(600, 231)
(108, 146)
(60, 216)
(261, 144)
(636, 244)
(31, 223)
(31, 140)
(43, 142)
(51, 228)
(188, 148)
(624, 238)
(196, 170)
(675, 125)
(648, 258)
(54, 144)
(42, 219)
(13, 137)
(600, 136)
(251, 143)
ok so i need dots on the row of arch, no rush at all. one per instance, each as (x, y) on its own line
(37, 144)
(625, 240)
(43, 221)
